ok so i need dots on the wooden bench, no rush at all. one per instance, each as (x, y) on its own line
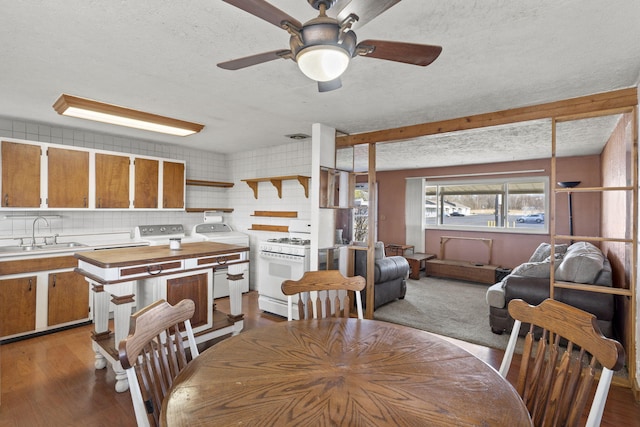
(417, 262)
(462, 270)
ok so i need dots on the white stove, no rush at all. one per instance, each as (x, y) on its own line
(161, 234)
(282, 259)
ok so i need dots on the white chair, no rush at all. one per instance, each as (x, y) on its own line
(153, 354)
(555, 381)
(323, 294)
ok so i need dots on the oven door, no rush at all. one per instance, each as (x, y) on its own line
(274, 269)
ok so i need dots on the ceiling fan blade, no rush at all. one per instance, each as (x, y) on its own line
(247, 61)
(264, 10)
(408, 53)
(365, 9)
(330, 85)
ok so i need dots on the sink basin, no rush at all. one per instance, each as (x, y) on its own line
(38, 248)
(63, 245)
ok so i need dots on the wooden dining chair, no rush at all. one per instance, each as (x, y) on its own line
(556, 379)
(154, 354)
(323, 294)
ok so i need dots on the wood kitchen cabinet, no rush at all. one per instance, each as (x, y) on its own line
(68, 298)
(194, 287)
(17, 305)
(146, 183)
(68, 178)
(173, 182)
(52, 176)
(20, 175)
(112, 181)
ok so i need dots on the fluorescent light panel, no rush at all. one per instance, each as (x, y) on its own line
(89, 109)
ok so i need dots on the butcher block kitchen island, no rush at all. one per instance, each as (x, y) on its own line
(126, 279)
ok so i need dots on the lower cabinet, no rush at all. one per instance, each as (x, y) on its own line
(194, 287)
(17, 305)
(68, 298)
(41, 294)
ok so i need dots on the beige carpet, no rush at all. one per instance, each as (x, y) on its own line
(447, 307)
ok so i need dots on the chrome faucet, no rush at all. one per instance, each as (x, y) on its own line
(33, 231)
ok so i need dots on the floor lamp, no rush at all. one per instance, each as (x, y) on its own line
(569, 184)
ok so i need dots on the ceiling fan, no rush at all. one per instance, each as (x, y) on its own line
(323, 46)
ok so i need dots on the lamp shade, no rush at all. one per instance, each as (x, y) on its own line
(323, 63)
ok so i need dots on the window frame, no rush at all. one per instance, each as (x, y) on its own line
(504, 182)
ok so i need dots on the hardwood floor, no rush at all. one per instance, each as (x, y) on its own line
(50, 380)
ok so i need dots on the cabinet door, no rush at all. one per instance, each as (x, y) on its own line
(68, 298)
(112, 181)
(146, 183)
(193, 287)
(173, 185)
(68, 178)
(17, 305)
(20, 175)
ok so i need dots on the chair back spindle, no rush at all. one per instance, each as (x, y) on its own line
(558, 371)
(321, 294)
(154, 354)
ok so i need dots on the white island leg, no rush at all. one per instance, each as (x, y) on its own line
(100, 321)
(105, 344)
(235, 300)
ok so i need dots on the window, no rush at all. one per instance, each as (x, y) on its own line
(518, 205)
(361, 213)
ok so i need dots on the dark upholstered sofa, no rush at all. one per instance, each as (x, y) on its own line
(581, 262)
(390, 275)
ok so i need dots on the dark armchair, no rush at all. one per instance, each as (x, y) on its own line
(390, 277)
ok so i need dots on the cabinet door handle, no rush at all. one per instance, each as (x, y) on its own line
(6, 199)
(158, 271)
(30, 284)
(84, 201)
(53, 284)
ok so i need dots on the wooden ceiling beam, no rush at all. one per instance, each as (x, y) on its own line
(570, 107)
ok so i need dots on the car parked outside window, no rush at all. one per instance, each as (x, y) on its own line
(537, 218)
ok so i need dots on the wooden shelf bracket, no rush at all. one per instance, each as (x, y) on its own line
(276, 181)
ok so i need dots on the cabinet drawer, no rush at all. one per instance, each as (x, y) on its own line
(150, 269)
(219, 260)
(37, 264)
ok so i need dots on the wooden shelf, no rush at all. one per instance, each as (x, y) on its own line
(276, 214)
(209, 209)
(202, 183)
(276, 181)
(263, 227)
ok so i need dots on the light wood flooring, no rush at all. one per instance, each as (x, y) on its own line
(50, 381)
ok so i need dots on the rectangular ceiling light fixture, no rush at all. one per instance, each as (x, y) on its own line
(83, 108)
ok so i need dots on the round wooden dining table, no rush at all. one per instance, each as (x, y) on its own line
(340, 372)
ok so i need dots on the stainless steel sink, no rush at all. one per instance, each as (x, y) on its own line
(39, 248)
(63, 245)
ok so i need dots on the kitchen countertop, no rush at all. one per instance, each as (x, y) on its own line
(151, 254)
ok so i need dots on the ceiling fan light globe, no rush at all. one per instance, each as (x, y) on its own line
(323, 63)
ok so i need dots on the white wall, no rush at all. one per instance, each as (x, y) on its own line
(284, 160)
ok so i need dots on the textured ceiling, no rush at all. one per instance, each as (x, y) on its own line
(160, 56)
